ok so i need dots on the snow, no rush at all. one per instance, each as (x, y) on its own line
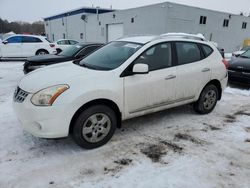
(228, 56)
(194, 150)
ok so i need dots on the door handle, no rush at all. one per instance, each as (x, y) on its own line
(170, 77)
(205, 70)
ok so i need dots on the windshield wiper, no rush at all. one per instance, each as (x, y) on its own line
(86, 66)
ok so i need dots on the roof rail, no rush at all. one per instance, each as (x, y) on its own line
(198, 36)
(136, 35)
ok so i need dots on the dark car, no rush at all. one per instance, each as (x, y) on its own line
(76, 52)
(239, 68)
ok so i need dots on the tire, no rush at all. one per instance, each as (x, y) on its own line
(207, 100)
(42, 52)
(94, 127)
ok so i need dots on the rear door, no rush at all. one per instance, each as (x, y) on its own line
(193, 70)
(13, 47)
(30, 45)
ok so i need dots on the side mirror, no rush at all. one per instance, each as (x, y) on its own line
(140, 68)
(5, 42)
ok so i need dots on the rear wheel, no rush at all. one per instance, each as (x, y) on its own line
(207, 100)
(42, 52)
(94, 127)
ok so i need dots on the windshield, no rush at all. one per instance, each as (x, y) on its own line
(70, 51)
(246, 54)
(110, 56)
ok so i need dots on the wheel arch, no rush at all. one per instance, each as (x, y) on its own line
(218, 86)
(106, 102)
(41, 49)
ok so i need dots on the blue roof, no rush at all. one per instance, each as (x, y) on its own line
(78, 11)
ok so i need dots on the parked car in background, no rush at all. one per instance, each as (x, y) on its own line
(241, 51)
(239, 68)
(74, 52)
(23, 46)
(126, 78)
(62, 44)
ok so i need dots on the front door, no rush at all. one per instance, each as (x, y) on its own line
(151, 92)
(13, 47)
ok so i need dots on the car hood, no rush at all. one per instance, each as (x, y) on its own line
(239, 63)
(54, 75)
(47, 58)
(238, 52)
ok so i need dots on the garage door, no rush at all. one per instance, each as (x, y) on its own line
(115, 31)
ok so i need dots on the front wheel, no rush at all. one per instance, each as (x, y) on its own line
(94, 127)
(207, 100)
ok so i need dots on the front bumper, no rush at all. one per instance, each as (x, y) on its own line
(43, 122)
(240, 77)
(28, 67)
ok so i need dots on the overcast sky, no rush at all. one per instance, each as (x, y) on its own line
(33, 10)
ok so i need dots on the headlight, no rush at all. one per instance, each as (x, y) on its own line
(47, 96)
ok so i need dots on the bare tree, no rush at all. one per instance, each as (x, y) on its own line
(22, 27)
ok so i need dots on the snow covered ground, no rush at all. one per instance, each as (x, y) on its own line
(174, 148)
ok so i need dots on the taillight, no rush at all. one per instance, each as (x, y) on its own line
(225, 62)
(52, 45)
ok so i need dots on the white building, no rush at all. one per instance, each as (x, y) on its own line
(103, 25)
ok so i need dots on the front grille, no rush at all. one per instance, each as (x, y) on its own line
(20, 95)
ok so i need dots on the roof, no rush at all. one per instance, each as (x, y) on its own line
(90, 10)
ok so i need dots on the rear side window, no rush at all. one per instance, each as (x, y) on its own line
(26, 39)
(187, 52)
(207, 50)
(157, 57)
(15, 39)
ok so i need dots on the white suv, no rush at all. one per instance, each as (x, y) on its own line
(126, 78)
(21, 46)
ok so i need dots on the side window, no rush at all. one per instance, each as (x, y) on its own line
(72, 42)
(67, 42)
(15, 39)
(187, 52)
(156, 57)
(26, 39)
(63, 42)
(87, 51)
(207, 50)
